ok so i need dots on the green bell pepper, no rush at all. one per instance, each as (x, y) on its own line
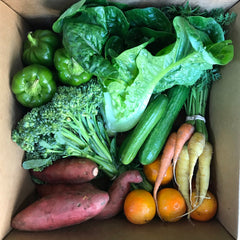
(39, 47)
(34, 85)
(70, 72)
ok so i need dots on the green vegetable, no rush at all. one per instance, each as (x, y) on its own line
(151, 148)
(71, 11)
(99, 38)
(79, 7)
(181, 63)
(39, 47)
(154, 112)
(71, 124)
(150, 17)
(34, 85)
(69, 71)
(147, 23)
(90, 32)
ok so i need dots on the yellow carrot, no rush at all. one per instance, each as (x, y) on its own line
(195, 148)
(184, 133)
(182, 171)
(203, 173)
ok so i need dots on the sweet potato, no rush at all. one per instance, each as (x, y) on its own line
(117, 193)
(46, 189)
(59, 210)
(69, 170)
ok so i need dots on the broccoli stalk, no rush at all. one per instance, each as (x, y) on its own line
(71, 124)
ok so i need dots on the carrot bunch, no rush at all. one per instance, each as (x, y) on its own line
(196, 155)
(188, 149)
(184, 149)
(171, 152)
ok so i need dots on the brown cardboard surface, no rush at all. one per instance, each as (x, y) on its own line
(38, 8)
(120, 229)
(225, 122)
(15, 184)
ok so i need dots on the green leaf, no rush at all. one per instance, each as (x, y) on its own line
(36, 163)
(209, 26)
(113, 47)
(126, 65)
(222, 52)
(73, 10)
(139, 35)
(84, 38)
(149, 17)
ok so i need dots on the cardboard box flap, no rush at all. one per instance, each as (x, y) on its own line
(38, 10)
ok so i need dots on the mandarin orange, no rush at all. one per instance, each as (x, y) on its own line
(151, 172)
(207, 210)
(171, 204)
(139, 206)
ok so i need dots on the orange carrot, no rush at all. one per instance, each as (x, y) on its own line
(165, 162)
(184, 133)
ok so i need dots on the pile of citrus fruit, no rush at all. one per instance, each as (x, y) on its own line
(140, 207)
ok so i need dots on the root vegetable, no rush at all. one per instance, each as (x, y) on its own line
(72, 170)
(165, 162)
(184, 133)
(195, 148)
(182, 172)
(47, 189)
(60, 210)
(117, 192)
(203, 173)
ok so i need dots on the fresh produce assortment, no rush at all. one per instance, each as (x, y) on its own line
(106, 89)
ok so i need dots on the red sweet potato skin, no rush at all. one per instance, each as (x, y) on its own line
(59, 210)
(118, 192)
(47, 189)
(69, 170)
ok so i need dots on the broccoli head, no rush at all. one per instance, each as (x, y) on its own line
(71, 124)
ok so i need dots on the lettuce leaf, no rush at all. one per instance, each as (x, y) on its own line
(181, 63)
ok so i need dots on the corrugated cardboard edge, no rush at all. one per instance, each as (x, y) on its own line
(225, 127)
(52, 8)
(15, 182)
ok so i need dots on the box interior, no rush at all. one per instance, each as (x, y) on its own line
(15, 20)
(225, 134)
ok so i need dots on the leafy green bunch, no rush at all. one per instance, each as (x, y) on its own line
(136, 52)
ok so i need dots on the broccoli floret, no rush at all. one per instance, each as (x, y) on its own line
(71, 124)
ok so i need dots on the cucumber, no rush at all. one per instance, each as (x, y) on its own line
(153, 113)
(151, 148)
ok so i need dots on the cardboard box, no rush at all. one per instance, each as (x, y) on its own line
(16, 18)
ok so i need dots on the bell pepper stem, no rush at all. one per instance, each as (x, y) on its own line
(31, 39)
